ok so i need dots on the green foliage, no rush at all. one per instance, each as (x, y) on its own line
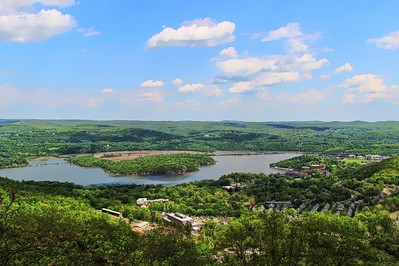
(386, 171)
(317, 239)
(35, 138)
(167, 164)
(13, 162)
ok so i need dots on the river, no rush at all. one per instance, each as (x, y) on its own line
(59, 170)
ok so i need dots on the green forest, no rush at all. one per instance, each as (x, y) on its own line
(167, 164)
(22, 139)
(344, 214)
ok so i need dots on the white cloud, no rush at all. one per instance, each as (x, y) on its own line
(290, 31)
(107, 90)
(150, 97)
(228, 52)
(242, 87)
(345, 68)
(151, 84)
(197, 33)
(243, 68)
(177, 82)
(297, 46)
(265, 79)
(365, 88)
(270, 78)
(16, 6)
(25, 27)
(88, 32)
(306, 62)
(214, 91)
(191, 88)
(391, 41)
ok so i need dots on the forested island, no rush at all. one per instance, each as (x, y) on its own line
(169, 164)
(335, 205)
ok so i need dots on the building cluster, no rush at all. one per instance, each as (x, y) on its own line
(144, 202)
(306, 170)
(367, 157)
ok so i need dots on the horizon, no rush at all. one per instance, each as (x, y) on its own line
(211, 61)
(199, 121)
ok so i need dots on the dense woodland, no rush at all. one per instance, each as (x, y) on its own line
(167, 164)
(35, 138)
(51, 223)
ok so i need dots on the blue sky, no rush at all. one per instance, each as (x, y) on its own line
(199, 60)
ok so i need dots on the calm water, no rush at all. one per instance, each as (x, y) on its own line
(59, 170)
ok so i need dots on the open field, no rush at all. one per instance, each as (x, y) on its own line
(354, 160)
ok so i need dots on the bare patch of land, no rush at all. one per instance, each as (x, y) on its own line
(131, 155)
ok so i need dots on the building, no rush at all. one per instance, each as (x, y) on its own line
(296, 173)
(177, 218)
(111, 212)
(142, 202)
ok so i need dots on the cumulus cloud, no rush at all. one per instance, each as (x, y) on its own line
(297, 46)
(306, 62)
(270, 78)
(228, 52)
(391, 41)
(241, 87)
(16, 6)
(177, 82)
(245, 67)
(345, 68)
(152, 84)
(293, 36)
(365, 88)
(290, 31)
(25, 27)
(265, 79)
(197, 33)
(214, 91)
(191, 88)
